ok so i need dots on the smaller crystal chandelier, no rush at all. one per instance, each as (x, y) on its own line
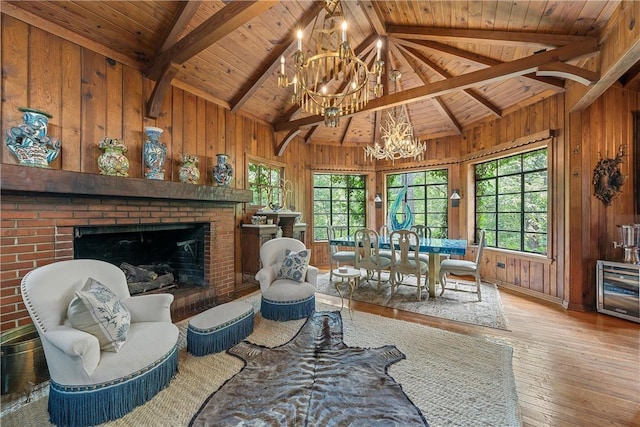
(397, 138)
(334, 61)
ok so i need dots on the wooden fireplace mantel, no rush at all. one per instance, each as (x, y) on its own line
(26, 179)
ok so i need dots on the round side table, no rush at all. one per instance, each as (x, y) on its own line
(353, 276)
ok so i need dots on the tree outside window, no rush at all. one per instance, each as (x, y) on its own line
(338, 200)
(511, 201)
(264, 182)
(426, 197)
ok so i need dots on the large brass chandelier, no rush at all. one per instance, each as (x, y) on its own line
(334, 81)
(397, 140)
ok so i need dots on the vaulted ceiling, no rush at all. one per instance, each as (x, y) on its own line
(461, 61)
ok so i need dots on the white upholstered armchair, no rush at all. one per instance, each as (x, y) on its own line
(127, 356)
(287, 282)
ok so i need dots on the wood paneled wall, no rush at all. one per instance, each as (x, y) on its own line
(598, 132)
(603, 126)
(91, 96)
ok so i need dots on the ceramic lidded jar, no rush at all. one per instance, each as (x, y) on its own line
(222, 171)
(113, 161)
(189, 172)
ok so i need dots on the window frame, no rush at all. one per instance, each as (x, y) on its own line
(365, 178)
(447, 211)
(520, 151)
(271, 164)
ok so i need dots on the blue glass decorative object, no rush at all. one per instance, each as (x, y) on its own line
(393, 213)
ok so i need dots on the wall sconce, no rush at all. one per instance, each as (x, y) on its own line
(378, 200)
(455, 198)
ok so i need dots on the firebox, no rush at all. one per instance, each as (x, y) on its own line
(176, 250)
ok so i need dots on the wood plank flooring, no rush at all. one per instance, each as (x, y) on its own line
(571, 368)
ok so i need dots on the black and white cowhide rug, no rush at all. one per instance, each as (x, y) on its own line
(313, 380)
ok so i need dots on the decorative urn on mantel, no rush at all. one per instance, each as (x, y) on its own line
(223, 171)
(113, 162)
(29, 142)
(154, 153)
(189, 172)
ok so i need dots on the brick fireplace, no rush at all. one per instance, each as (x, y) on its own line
(40, 209)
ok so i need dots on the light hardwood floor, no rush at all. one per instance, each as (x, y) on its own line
(571, 368)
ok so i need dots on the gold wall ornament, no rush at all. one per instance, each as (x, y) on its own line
(607, 177)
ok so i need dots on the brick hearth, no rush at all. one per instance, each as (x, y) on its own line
(36, 230)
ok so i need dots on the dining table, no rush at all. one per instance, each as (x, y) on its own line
(432, 246)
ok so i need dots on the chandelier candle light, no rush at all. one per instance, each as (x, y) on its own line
(313, 75)
(397, 137)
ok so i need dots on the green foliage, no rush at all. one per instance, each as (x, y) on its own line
(511, 201)
(427, 197)
(338, 200)
(264, 181)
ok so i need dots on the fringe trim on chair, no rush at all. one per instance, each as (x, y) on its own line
(287, 310)
(96, 404)
(201, 342)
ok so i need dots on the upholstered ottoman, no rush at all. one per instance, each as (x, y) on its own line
(219, 328)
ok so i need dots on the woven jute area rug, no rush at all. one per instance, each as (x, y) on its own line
(454, 379)
(461, 305)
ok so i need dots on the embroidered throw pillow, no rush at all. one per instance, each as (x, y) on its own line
(295, 265)
(97, 310)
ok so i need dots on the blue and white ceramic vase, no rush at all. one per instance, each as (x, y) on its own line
(154, 153)
(29, 141)
(113, 162)
(223, 171)
(189, 172)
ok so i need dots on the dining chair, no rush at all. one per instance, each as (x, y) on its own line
(384, 233)
(461, 267)
(406, 261)
(367, 243)
(338, 255)
(423, 232)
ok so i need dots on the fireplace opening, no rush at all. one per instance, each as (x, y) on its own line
(173, 254)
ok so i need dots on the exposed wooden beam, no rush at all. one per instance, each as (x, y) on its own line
(567, 71)
(182, 17)
(272, 62)
(447, 114)
(228, 19)
(345, 132)
(631, 75)
(154, 104)
(436, 101)
(620, 51)
(164, 68)
(492, 108)
(286, 140)
(498, 72)
(484, 36)
(309, 134)
(551, 82)
(372, 11)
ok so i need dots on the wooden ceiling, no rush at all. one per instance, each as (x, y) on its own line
(461, 61)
